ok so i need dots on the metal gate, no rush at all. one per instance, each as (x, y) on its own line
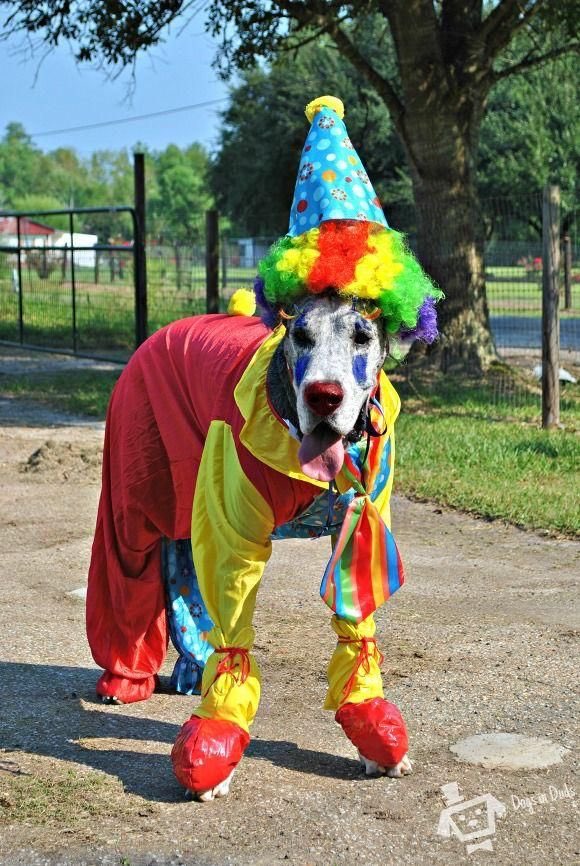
(62, 294)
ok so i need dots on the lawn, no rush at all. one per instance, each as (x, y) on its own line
(471, 445)
(105, 309)
(478, 446)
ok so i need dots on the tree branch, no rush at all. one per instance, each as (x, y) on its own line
(504, 21)
(383, 87)
(532, 62)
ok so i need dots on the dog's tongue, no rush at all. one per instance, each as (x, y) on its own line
(321, 454)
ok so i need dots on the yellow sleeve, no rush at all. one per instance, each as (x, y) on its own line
(230, 539)
(391, 403)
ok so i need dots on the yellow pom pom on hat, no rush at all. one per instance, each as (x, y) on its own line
(320, 102)
(242, 303)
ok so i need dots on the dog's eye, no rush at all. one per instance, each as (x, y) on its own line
(361, 338)
(302, 338)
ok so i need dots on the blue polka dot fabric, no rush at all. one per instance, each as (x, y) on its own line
(332, 182)
(187, 617)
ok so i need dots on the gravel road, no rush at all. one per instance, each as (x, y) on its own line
(481, 639)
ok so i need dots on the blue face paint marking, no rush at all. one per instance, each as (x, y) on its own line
(300, 321)
(361, 327)
(359, 369)
(300, 368)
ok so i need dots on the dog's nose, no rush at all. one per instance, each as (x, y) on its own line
(324, 398)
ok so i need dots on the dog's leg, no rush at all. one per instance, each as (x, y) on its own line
(371, 768)
(231, 528)
(371, 723)
(221, 790)
(125, 615)
(187, 617)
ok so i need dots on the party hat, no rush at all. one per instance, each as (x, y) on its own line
(332, 183)
(339, 241)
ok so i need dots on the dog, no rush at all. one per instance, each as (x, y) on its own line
(227, 431)
(265, 418)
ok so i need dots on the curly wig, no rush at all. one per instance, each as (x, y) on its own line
(354, 259)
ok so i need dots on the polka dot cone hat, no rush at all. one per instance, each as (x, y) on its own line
(332, 183)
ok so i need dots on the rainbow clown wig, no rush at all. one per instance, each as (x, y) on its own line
(354, 259)
(339, 241)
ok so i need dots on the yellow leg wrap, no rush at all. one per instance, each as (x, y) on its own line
(353, 673)
(231, 680)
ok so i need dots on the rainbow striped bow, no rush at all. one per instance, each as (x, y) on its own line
(365, 567)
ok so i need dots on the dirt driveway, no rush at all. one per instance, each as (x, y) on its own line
(480, 639)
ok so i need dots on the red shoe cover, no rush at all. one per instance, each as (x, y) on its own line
(125, 690)
(377, 729)
(206, 751)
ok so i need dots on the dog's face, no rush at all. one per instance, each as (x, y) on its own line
(334, 355)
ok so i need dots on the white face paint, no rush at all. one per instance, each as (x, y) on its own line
(334, 356)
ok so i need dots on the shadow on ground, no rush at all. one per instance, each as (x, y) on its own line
(52, 711)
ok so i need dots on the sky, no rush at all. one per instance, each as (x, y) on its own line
(62, 94)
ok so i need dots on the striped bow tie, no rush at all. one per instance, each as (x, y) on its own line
(365, 567)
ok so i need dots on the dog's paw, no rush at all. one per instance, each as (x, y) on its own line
(221, 790)
(111, 700)
(371, 768)
(377, 729)
(403, 768)
(205, 754)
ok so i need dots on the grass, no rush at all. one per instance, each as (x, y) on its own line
(476, 447)
(67, 797)
(496, 470)
(467, 444)
(83, 392)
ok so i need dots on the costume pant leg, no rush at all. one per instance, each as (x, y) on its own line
(187, 617)
(230, 537)
(353, 673)
(126, 622)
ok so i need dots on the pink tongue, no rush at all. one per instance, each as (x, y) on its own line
(321, 454)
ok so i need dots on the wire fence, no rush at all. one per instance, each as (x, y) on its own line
(85, 301)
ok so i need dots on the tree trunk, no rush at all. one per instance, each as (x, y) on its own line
(450, 247)
(444, 95)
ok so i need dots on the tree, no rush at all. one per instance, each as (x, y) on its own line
(450, 54)
(254, 170)
(22, 165)
(183, 194)
(530, 136)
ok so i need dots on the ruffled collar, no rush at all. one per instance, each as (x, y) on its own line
(266, 436)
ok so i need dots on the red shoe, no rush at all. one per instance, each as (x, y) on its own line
(377, 729)
(206, 752)
(120, 690)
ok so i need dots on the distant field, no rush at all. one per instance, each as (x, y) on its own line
(104, 309)
(511, 291)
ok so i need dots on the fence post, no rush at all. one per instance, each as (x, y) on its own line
(224, 252)
(212, 262)
(20, 286)
(567, 244)
(140, 250)
(550, 297)
(73, 285)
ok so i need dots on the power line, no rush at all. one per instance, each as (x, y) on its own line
(130, 119)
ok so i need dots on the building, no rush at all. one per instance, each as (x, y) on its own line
(32, 233)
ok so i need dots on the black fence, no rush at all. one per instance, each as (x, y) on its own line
(61, 291)
(83, 298)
